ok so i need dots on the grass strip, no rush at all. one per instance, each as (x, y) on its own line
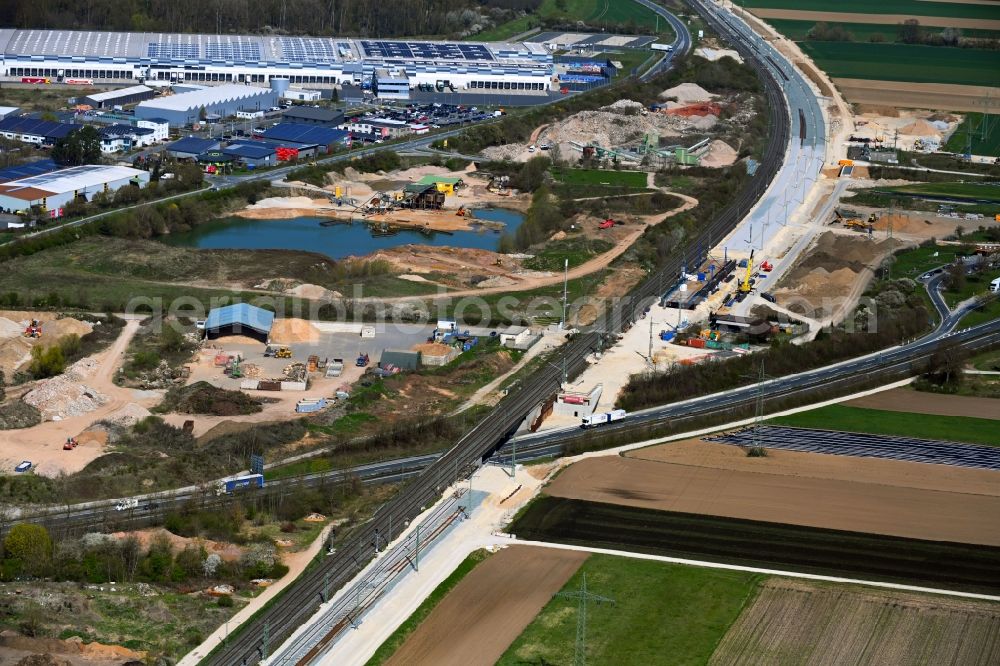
(904, 424)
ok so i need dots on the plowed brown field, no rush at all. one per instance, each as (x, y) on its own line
(479, 619)
(796, 622)
(943, 96)
(908, 400)
(873, 507)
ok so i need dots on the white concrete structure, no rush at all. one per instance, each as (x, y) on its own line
(302, 95)
(160, 127)
(320, 62)
(51, 191)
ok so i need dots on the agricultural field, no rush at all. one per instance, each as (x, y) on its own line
(915, 8)
(663, 614)
(985, 136)
(892, 506)
(488, 628)
(914, 263)
(905, 62)
(798, 622)
(763, 544)
(905, 424)
(798, 30)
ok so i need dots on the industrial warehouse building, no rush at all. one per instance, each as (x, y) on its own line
(50, 192)
(295, 135)
(310, 115)
(190, 147)
(320, 62)
(120, 97)
(239, 319)
(223, 101)
(33, 130)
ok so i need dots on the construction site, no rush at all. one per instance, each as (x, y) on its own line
(681, 130)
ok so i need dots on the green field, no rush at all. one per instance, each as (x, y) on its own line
(905, 424)
(913, 7)
(663, 614)
(985, 136)
(915, 262)
(600, 177)
(862, 32)
(576, 250)
(763, 544)
(989, 312)
(970, 191)
(906, 62)
(975, 285)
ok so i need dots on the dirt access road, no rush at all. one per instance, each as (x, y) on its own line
(872, 507)
(479, 619)
(43, 443)
(593, 265)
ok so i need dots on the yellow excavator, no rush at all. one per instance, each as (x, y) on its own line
(745, 285)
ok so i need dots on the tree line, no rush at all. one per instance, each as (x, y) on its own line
(302, 17)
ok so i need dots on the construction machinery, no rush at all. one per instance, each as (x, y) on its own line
(766, 266)
(34, 329)
(362, 361)
(746, 286)
(70, 444)
(235, 371)
(278, 352)
(606, 224)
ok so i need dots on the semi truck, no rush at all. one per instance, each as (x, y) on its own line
(603, 418)
(230, 486)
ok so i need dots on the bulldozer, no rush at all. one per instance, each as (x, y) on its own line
(34, 329)
(278, 352)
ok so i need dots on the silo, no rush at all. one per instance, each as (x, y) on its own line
(279, 85)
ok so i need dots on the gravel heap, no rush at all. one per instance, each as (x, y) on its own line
(62, 397)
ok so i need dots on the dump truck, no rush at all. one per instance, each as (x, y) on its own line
(603, 418)
(34, 329)
(335, 368)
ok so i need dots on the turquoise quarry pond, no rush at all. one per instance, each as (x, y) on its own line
(337, 241)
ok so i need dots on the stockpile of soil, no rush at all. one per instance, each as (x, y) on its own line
(432, 349)
(63, 397)
(687, 93)
(203, 398)
(919, 127)
(15, 349)
(830, 272)
(287, 331)
(719, 154)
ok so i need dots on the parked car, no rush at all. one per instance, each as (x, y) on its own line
(24, 466)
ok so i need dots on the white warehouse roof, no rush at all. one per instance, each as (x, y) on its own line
(121, 92)
(205, 97)
(71, 179)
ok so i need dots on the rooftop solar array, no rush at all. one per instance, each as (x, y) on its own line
(308, 49)
(37, 127)
(425, 50)
(26, 170)
(163, 51)
(237, 51)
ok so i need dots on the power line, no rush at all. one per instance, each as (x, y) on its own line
(583, 597)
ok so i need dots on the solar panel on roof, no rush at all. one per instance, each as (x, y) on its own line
(166, 51)
(232, 51)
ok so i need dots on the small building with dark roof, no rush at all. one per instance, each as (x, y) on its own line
(309, 115)
(252, 154)
(34, 130)
(291, 134)
(401, 358)
(190, 147)
(239, 319)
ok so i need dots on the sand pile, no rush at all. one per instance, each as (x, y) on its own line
(719, 154)
(10, 328)
(311, 291)
(55, 329)
(287, 331)
(432, 349)
(62, 397)
(14, 352)
(704, 122)
(624, 104)
(718, 54)
(919, 127)
(287, 202)
(496, 281)
(687, 93)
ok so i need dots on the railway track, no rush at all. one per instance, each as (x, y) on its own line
(302, 598)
